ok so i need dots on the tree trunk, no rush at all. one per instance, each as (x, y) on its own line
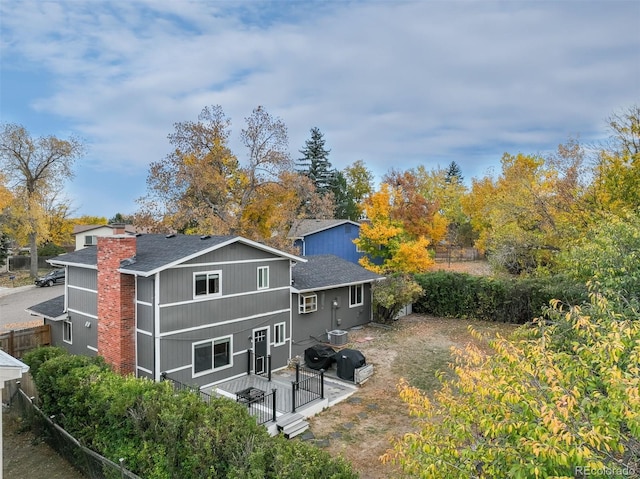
(33, 269)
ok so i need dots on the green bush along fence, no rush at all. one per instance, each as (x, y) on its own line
(509, 300)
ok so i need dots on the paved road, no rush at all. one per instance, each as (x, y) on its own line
(14, 301)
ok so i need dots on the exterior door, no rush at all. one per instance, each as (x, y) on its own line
(260, 350)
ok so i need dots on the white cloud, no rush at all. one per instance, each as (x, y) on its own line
(392, 83)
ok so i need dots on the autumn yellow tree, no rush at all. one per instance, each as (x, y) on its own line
(617, 171)
(5, 194)
(559, 399)
(530, 211)
(389, 244)
(419, 214)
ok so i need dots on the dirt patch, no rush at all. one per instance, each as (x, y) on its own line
(26, 456)
(477, 268)
(415, 348)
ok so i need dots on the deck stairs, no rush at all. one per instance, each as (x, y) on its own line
(292, 424)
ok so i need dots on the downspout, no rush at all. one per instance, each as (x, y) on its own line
(156, 327)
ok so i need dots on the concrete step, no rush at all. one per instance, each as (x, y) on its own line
(293, 429)
(287, 419)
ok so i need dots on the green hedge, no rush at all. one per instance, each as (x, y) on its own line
(162, 434)
(509, 300)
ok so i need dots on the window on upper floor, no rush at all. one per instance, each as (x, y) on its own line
(90, 240)
(263, 277)
(307, 303)
(67, 332)
(356, 295)
(207, 284)
(212, 355)
(279, 334)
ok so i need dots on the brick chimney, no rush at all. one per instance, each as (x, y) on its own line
(116, 303)
(118, 228)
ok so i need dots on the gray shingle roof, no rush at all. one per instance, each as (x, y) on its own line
(155, 252)
(302, 228)
(327, 271)
(50, 309)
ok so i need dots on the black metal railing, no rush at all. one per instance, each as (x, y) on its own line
(178, 386)
(308, 386)
(261, 405)
(250, 365)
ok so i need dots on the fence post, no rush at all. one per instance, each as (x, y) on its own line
(273, 404)
(322, 384)
(269, 367)
(297, 373)
(293, 396)
(10, 345)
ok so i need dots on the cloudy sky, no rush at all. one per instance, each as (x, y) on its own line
(396, 84)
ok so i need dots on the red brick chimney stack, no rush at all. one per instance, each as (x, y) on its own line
(116, 303)
(118, 228)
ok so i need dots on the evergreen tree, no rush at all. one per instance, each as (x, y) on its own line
(454, 173)
(315, 163)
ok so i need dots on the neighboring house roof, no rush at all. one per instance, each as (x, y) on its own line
(302, 228)
(77, 229)
(155, 252)
(10, 368)
(325, 271)
(52, 309)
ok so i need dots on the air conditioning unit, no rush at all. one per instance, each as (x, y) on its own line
(338, 337)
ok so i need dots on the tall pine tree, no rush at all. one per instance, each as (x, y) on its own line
(315, 163)
(454, 174)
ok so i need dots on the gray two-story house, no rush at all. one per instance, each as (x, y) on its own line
(201, 309)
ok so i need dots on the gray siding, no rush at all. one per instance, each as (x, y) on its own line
(81, 335)
(144, 317)
(83, 278)
(177, 284)
(311, 328)
(232, 253)
(217, 310)
(177, 349)
(144, 344)
(83, 301)
(144, 289)
(240, 309)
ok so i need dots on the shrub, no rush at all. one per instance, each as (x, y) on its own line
(35, 358)
(162, 434)
(392, 294)
(512, 300)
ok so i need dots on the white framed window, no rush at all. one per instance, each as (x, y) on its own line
(263, 277)
(212, 355)
(356, 295)
(279, 331)
(207, 284)
(67, 332)
(90, 240)
(307, 303)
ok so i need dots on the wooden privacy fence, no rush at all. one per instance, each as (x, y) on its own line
(18, 342)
